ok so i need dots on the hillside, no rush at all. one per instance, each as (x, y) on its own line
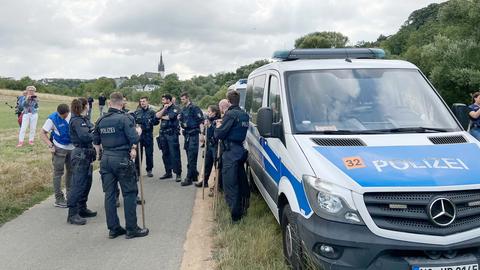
(443, 41)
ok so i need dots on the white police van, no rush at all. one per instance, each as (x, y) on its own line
(241, 87)
(362, 163)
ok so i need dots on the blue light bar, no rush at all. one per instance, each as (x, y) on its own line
(338, 53)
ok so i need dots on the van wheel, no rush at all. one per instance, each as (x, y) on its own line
(292, 248)
(251, 183)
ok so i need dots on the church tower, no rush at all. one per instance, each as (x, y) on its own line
(161, 67)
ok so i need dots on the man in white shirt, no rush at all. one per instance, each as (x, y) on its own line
(59, 144)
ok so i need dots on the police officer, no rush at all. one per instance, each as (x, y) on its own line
(232, 130)
(167, 140)
(190, 118)
(213, 114)
(145, 117)
(137, 159)
(115, 133)
(81, 159)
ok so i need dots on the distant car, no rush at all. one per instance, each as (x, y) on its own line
(362, 163)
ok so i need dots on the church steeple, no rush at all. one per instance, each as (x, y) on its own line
(161, 66)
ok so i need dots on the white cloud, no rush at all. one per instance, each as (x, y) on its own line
(92, 38)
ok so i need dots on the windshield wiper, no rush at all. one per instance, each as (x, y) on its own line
(414, 129)
(346, 131)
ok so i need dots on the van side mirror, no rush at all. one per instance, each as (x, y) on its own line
(460, 111)
(265, 121)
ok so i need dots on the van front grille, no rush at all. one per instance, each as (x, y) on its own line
(408, 212)
(338, 142)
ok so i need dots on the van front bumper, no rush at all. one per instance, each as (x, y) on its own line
(356, 247)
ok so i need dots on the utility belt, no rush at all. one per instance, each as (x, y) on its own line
(87, 153)
(168, 131)
(83, 146)
(148, 128)
(191, 132)
(116, 153)
(227, 145)
(475, 125)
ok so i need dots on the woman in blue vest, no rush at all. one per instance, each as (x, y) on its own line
(474, 115)
(82, 157)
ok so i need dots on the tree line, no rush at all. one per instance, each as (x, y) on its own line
(204, 90)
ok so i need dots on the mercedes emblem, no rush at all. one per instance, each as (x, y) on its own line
(442, 211)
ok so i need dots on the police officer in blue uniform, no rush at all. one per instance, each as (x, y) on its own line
(115, 132)
(211, 143)
(190, 118)
(167, 140)
(232, 130)
(81, 159)
(474, 115)
(145, 117)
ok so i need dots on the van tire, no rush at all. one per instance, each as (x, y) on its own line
(292, 247)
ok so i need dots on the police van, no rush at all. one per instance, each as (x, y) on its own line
(362, 163)
(241, 87)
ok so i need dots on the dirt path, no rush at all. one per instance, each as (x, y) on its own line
(199, 242)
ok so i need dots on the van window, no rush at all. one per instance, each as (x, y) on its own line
(274, 99)
(364, 100)
(254, 98)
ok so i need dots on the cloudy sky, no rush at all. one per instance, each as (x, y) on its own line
(93, 38)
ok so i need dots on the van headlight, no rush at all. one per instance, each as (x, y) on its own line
(330, 201)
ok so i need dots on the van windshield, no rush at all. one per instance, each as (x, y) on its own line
(365, 101)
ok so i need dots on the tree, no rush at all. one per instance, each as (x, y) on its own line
(243, 71)
(443, 41)
(371, 44)
(322, 40)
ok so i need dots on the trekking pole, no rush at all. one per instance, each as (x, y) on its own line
(203, 167)
(11, 107)
(217, 173)
(141, 185)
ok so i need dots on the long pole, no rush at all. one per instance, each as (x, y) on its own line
(205, 152)
(11, 107)
(141, 185)
(217, 173)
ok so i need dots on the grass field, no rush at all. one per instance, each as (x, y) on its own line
(26, 172)
(254, 243)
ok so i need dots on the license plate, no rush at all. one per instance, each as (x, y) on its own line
(456, 267)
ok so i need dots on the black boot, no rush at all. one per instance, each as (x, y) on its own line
(76, 220)
(178, 178)
(165, 176)
(186, 182)
(149, 174)
(86, 213)
(138, 232)
(200, 184)
(117, 232)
